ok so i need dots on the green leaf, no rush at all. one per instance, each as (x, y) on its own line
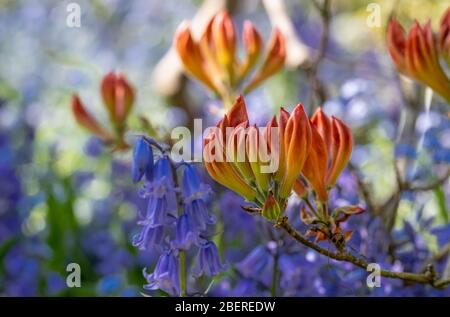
(441, 201)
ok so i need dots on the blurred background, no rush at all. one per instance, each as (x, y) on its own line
(65, 198)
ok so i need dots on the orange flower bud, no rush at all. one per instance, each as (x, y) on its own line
(323, 125)
(191, 56)
(416, 56)
(254, 152)
(252, 44)
(341, 149)
(84, 119)
(118, 96)
(299, 188)
(444, 37)
(273, 62)
(238, 113)
(237, 153)
(271, 209)
(315, 168)
(224, 36)
(297, 142)
(221, 170)
(284, 117)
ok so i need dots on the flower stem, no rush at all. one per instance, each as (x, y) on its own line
(273, 288)
(183, 283)
(311, 207)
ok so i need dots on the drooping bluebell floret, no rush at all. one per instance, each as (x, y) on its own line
(194, 197)
(208, 260)
(185, 234)
(193, 188)
(149, 236)
(162, 204)
(198, 211)
(166, 274)
(142, 163)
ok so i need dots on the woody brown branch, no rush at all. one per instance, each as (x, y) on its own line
(428, 277)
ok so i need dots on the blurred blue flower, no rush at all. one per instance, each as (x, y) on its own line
(94, 147)
(405, 150)
(257, 264)
(109, 285)
(55, 283)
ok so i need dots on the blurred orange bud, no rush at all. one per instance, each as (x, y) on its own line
(273, 62)
(341, 150)
(417, 56)
(118, 97)
(191, 56)
(252, 44)
(297, 142)
(84, 119)
(224, 36)
(444, 37)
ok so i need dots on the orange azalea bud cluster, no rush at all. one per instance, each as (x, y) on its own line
(118, 99)
(417, 54)
(292, 152)
(213, 58)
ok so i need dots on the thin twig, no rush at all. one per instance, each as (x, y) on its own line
(438, 182)
(364, 190)
(317, 87)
